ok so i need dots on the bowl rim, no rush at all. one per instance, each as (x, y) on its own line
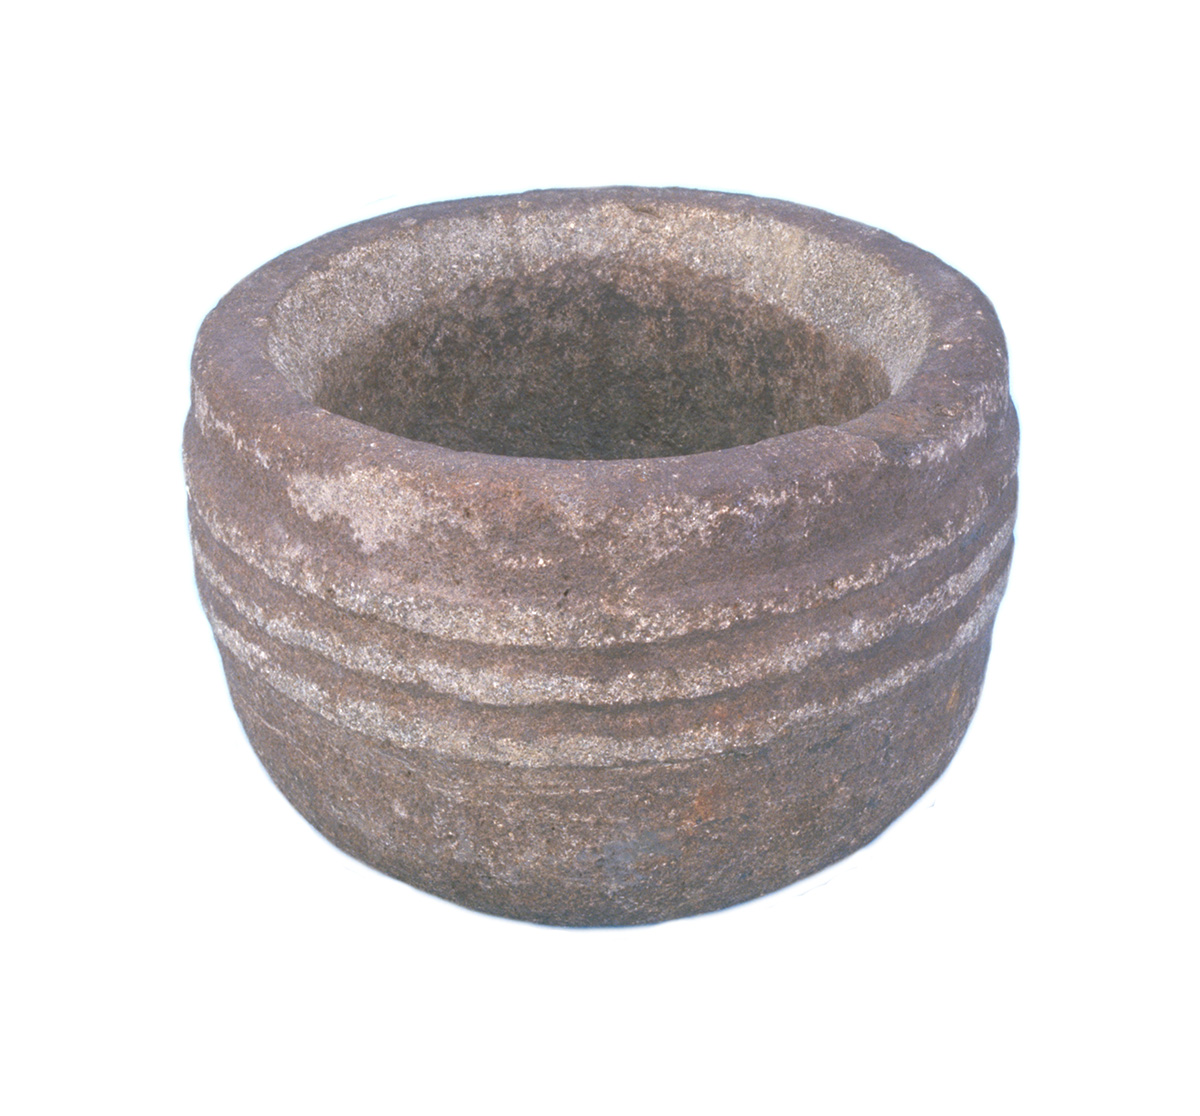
(961, 377)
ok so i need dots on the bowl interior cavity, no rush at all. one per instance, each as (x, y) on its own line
(617, 332)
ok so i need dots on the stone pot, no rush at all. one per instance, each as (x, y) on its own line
(598, 557)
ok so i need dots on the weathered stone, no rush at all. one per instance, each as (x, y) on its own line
(602, 556)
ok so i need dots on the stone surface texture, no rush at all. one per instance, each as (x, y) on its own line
(598, 557)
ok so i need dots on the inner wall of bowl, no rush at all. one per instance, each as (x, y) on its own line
(620, 332)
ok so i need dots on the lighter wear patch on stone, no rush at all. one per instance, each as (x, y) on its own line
(376, 507)
(208, 421)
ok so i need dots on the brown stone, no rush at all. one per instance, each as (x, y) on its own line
(602, 556)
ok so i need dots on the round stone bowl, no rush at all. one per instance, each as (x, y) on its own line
(598, 557)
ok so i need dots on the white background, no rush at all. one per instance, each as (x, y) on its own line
(178, 940)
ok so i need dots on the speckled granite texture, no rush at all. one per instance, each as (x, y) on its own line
(602, 556)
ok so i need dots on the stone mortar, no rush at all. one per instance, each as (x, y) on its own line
(598, 557)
